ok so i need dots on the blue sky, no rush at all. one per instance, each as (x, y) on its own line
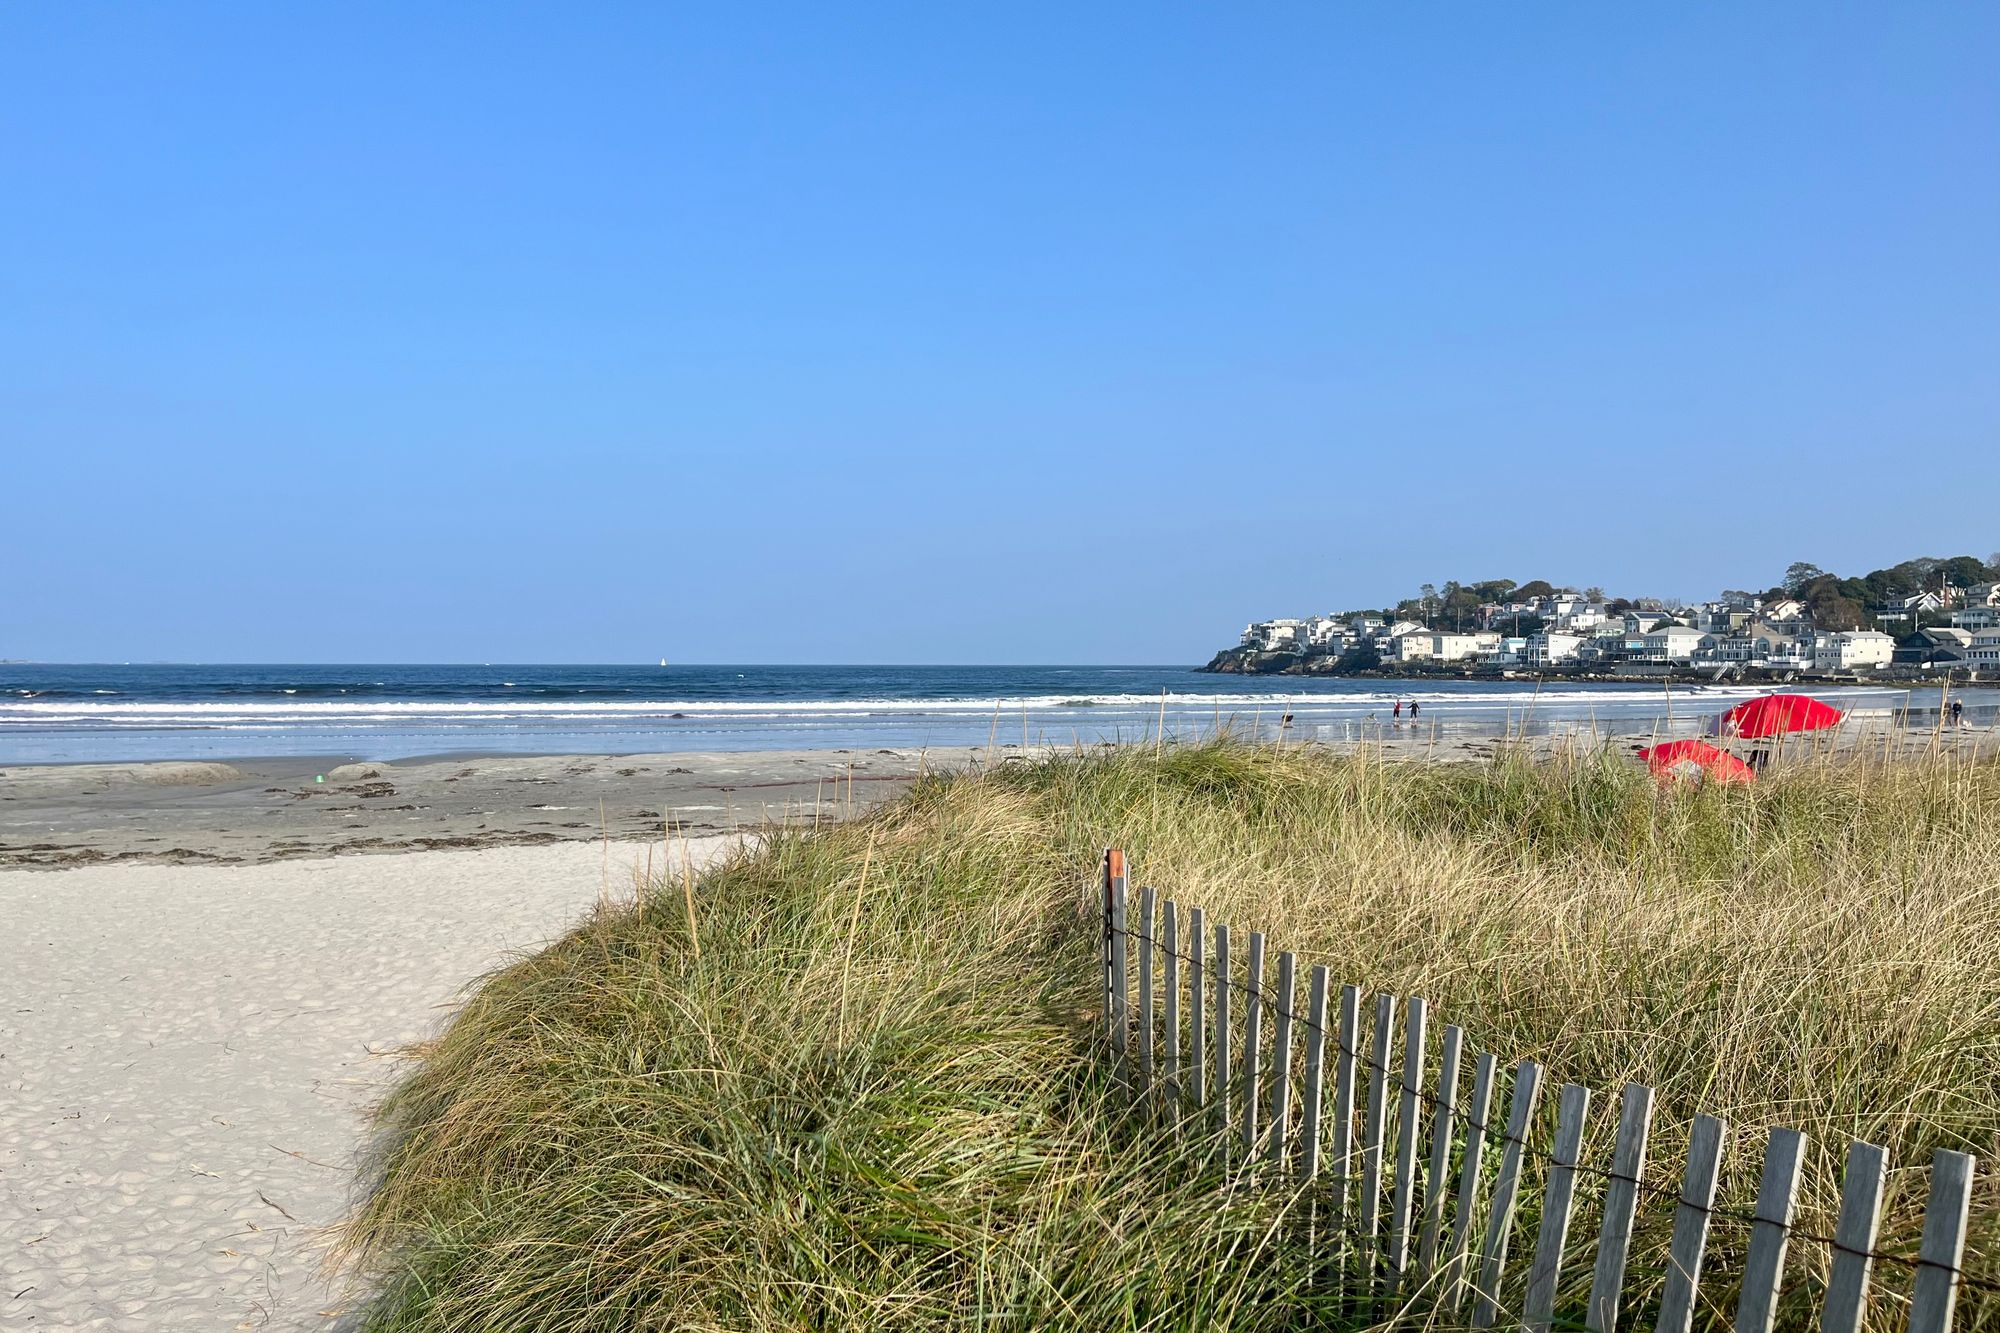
(933, 333)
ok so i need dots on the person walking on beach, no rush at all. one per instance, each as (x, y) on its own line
(1397, 711)
(1413, 710)
(1958, 714)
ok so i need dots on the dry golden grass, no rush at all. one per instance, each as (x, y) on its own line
(873, 1100)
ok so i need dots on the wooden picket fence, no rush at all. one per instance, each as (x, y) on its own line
(1414, 1223)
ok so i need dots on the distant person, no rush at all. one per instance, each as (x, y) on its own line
(1397, 711)
(1958, 714)
(1413, 710)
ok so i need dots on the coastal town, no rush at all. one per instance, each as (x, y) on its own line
(1810, 626)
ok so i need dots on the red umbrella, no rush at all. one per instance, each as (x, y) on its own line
(1681, 759)
(1775, 715)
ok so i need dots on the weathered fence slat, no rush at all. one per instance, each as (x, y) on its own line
(1506, 1193)
(1315, 1074)
(1402, 1208)
(1764, 1266)
(1218, 978)
(1444, 1128)
(1197, 1067)
(1558, 1197)
(1691, 1219)
(1278, 1138)
(1343, 1094)
(1943, 1247)
(1621, 1206)
(1196, 1086)
(1372, 1128)
(1253, 1043)
(1115, 992)
(1478, 1115)
(1170, 991)
(1144, 938)
(1854, 1239)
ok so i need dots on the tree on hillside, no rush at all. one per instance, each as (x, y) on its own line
(1460, 606)
(1962, 571)
(1800, 573)
(1829, 606)
(1593, 594)
(1534, 588)
(1493, 590)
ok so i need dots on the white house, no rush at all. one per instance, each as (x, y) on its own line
(1985, 649)
(1976, 617)
(1983, 594)
(1756, 643)
(1644, 622)
(1852, 650)
(1324, 634)
(1673, 643)
(1276, 636)
(1784, 609)
(1552, 648)
(1425, 645)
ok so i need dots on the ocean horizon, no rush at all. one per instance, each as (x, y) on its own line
(80, 713)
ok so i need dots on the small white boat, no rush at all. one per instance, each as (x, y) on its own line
(663, 661)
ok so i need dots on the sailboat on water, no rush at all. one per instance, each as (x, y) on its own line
(663, 661)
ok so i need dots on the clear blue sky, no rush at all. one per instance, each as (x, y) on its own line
(944, 333)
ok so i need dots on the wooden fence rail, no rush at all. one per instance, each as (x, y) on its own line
(1423, 1189)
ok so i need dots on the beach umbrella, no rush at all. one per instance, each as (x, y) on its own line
(1695, 759)
(1775, 715)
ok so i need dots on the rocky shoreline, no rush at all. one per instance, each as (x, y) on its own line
(1248, 662)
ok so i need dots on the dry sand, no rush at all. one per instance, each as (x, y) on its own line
(186, 1053)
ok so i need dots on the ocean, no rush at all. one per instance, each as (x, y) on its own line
(102, 713)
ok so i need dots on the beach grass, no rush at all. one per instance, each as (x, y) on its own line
(849, 1081)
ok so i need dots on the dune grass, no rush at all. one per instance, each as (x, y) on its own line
(862, 1093)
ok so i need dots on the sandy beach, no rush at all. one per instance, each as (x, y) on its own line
(187, 1054)
(216, 964)
(275, 809)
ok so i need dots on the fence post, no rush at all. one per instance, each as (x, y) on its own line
(1218, 978)
(1253, 1043)
(1558, 1197)
(1170, 986)
(1764, 1266)
(1444, 1127)
(1344, 1094)
(1621, 1206)
(1196, 1085)
(1115, 1026)
(1403, 1203)
(1854, 1239)
(1315, 1090)
(1281, 1060)
(1506, 1192)
(1478, 1116)
(1943, 1248)
(1373, 1129)
(1144, 939)
(1691, 1219)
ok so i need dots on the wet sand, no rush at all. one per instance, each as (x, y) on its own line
(275, 809)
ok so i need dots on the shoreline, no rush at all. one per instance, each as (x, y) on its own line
(261, 811)
(58, 816)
